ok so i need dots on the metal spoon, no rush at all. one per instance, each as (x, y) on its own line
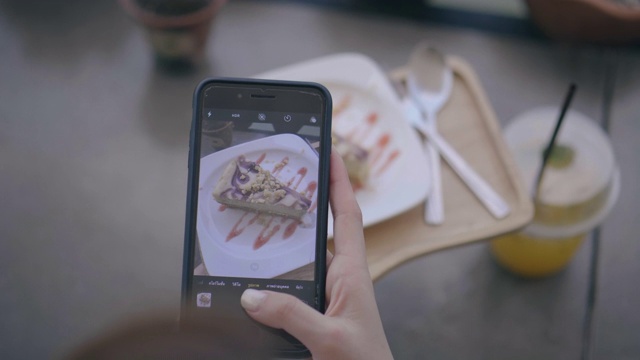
(421, 82)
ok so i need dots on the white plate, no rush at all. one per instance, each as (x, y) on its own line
(398, 182)
(284, 251)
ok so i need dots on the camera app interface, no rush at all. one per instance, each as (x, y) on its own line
(257, 204)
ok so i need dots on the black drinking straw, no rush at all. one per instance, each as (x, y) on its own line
(547, 152)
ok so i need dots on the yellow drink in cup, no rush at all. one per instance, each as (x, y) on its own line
(580, 186)
(535, 256)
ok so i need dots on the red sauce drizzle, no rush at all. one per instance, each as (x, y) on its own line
(265, 236)
(290, 229)
(384, 140)
(372, 118)
(222, 208)
(361, 133)
(261, 158)
(279, 166)
(237, 229)
(390, 159)
(302, 172)
(382, 143)
(310, 190)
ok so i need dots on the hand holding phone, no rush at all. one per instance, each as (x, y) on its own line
(257, 201)
(351, 326)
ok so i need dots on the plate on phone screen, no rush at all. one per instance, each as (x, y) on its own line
(239, 243)
(368, 112)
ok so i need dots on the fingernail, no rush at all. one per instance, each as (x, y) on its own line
(251, 299)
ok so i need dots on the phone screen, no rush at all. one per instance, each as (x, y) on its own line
(260, 203)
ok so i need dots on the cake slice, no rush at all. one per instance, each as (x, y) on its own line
(246, 185)
(355, 159)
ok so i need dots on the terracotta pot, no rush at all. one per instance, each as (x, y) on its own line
(177, 29)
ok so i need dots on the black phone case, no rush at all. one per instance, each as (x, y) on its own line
(323, 187)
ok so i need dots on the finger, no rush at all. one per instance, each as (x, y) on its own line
(284, 311)
(347, 225)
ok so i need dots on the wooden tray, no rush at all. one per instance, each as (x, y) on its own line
(469, 123)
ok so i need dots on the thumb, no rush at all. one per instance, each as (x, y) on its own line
(284, 311)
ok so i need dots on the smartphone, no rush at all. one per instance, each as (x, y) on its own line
(257, 200)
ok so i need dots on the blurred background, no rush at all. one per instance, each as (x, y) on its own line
(94, 128)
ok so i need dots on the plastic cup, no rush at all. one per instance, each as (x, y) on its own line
(177, 29)
(580, 187)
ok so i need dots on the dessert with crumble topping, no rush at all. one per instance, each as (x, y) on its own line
(246, 185)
